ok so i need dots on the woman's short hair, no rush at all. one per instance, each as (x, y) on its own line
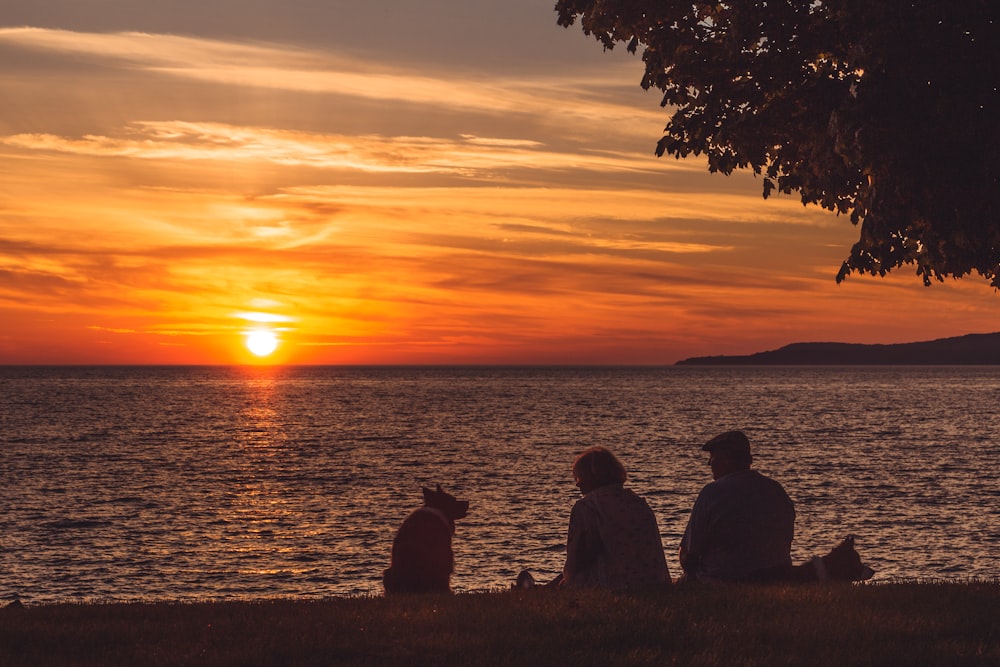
(597, 467)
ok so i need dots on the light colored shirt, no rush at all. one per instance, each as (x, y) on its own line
(741, 523)
(613, 542)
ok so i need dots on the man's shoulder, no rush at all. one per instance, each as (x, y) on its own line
(737, 481)
(717, 488)
(761, 478)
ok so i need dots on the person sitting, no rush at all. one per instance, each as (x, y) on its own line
(613, 539)
(742, 523)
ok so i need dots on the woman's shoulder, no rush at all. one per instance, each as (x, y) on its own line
(613, 494)
(608, 491)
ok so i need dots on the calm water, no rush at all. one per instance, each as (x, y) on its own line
(195, 483)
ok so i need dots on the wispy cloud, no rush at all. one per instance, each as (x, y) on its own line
(468, 155)
(289, 69)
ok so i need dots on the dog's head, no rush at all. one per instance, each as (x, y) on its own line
(844, 563)
(445, 502)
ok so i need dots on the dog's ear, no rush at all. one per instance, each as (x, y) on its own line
(849, 541)
(439, 489)
(428, 494)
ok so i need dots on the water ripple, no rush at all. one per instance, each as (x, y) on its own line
(215, 483)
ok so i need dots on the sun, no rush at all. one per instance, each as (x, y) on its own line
(261, 342)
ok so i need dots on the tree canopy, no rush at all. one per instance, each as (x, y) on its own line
(884, 110)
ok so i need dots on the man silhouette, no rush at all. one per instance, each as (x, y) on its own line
(742, 524)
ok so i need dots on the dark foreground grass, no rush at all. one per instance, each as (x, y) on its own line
(889, 624)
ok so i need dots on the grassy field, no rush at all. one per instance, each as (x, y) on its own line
(887, 624)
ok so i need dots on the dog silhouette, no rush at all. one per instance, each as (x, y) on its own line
(422, 558)
(842, 564)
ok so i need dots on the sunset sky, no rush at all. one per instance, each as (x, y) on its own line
(390, 182)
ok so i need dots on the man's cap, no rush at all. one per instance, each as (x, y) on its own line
(730, 441)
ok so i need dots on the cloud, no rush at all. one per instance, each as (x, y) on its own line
(290, 69)
(467, 156)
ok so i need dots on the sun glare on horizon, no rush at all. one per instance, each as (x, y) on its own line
(261, 342)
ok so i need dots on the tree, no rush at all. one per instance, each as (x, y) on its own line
(884, 110)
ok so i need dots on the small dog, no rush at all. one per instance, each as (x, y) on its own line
(422, 559)
(842, 564)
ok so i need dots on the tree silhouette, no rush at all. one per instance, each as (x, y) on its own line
(885, 110)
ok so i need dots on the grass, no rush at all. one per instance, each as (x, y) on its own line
(898, 624)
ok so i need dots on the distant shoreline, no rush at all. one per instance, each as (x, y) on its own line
(968, 350)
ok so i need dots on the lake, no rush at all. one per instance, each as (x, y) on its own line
(196, 483)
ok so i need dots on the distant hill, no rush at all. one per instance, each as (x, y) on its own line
(972, 349)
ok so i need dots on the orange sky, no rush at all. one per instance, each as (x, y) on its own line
(384, 185)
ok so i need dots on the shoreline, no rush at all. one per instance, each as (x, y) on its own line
(885, 623)
(15, 600)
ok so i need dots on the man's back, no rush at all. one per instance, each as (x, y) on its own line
(741, 523)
